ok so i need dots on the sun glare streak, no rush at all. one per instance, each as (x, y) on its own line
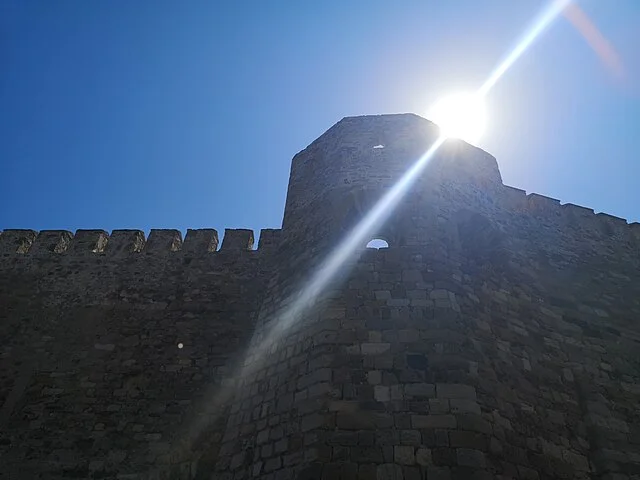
(547, 17)
(284, 319)
(384, 207)
(356, 239)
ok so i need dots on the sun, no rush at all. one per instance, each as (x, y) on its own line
(461, 115)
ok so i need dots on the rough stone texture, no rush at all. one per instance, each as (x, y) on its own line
(496, 337)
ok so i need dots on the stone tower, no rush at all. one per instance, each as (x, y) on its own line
(496, 336)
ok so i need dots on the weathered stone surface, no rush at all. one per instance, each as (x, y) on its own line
(496, 337)
(433, 421)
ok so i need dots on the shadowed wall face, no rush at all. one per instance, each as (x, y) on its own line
(114, 346)
(496, 337)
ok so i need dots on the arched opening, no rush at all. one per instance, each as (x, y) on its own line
(378, 243)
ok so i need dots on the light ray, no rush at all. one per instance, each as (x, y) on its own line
(356, 239)
(353, 242)
(384, 207)
(547, 17)
(284, 319)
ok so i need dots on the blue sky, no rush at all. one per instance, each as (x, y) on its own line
(165, 114)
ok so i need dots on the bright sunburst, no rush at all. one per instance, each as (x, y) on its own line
(462, 115)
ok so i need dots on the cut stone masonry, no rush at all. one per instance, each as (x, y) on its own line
(497, 337)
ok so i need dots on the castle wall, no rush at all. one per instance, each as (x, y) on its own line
(93, 380)
(496, 337)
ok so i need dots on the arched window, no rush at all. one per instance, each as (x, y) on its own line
(378, 243)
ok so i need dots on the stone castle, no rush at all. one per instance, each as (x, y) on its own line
(496, 337)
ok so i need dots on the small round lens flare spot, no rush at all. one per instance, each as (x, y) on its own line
(180, 345)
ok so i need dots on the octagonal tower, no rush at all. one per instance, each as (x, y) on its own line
(342, 173)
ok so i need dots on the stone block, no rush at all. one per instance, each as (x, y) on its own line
(468, 457)
(382, 295)
(374, 377)
(364, 420)
(404, 455)
(419, 390)
(579, 462)
(381, 393)
(367, 472)
(474, 423)
(527, 473)
(273, 464)
(410, 437)
(411, 473)
(439, 405)
(455, 390)
(465, 439)
(438, 473)
(433, 421)
(262, 437)
(311, 422)
(463, 405)
(374, 348)
(423, 457)
(371, 454)
(444, 456)
(389, 471)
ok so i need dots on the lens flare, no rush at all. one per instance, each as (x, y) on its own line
(354, 242)
(600, 45)
(539, 26)
(462, 115)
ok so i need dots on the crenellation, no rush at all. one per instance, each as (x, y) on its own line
(204, 240)
(163, 241)
(613, 226)
(270, 238)
(542, 205)
(88, 242)
(495, 337)
(237, 240)
(16, 241)
(124, 242)
(578, 210)
(608, 228)
(514, 196)
(51, 241)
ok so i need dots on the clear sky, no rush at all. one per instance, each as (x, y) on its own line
(165, 114)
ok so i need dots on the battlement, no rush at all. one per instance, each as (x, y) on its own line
(133, 242)
(497, 336)
(550, 210)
